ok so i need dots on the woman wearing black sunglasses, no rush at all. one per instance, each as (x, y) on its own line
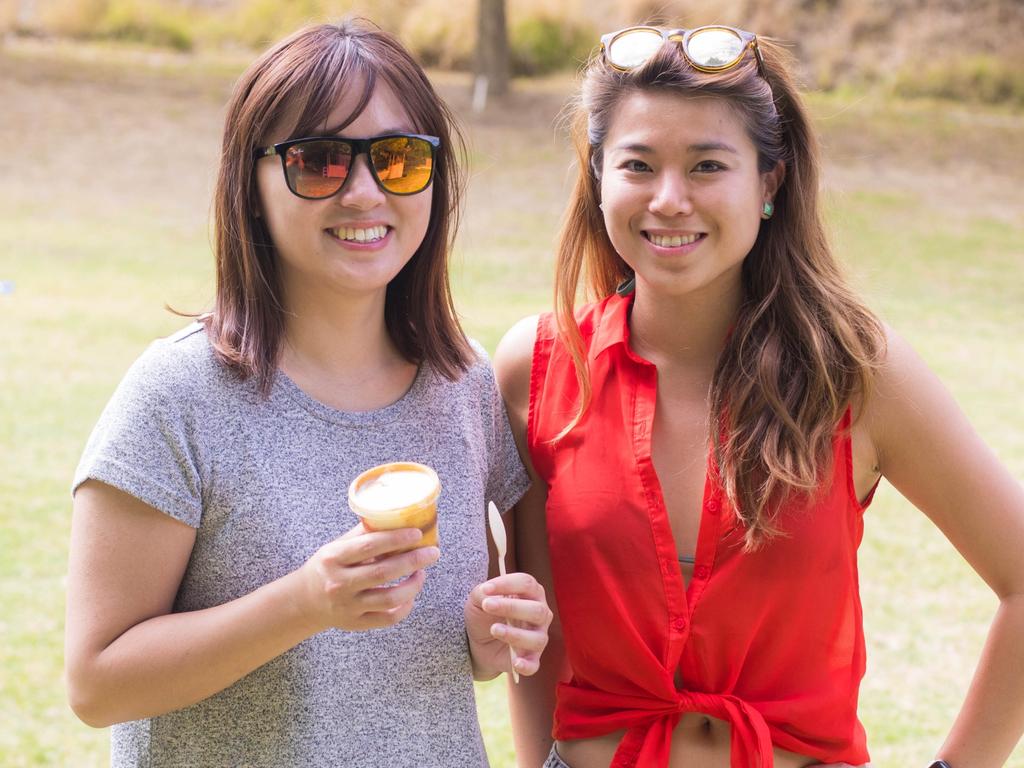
(224, 606)
(706, 436)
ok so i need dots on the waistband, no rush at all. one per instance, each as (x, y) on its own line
(555, 760)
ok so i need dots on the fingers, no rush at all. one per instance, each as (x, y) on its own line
(524, 641)
(390, 568)
(516, 597)
(358, 545)
(527, 646)
(518, 602)
(388, 599)
(524, 629)
(521, 585)
(359, 601)
(381, 619)
(364, 579)
(518, 610)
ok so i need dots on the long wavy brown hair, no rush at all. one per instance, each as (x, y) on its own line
(803, 345)
(301, 79)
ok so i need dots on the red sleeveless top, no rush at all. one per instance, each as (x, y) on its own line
(771, 642)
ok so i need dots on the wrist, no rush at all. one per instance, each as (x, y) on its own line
(483, 677)
(298, 604)
(482, 672)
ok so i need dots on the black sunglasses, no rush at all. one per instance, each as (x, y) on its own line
(318, 166)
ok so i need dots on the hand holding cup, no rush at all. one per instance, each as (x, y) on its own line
(364, 579)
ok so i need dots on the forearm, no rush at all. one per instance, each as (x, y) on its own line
(175, 660)
(992, 718)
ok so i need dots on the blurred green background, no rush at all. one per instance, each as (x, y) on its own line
(110, 119)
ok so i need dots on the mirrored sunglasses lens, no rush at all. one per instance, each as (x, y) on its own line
(714, 48)
(317, 168)
(634, 48)
(403, 164)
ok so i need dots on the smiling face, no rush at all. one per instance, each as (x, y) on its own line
(357, 241)
(681, 191)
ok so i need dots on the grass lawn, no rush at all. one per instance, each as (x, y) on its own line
(104, 194)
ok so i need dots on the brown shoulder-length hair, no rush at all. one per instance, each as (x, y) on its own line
(803, 345)
(300, 80)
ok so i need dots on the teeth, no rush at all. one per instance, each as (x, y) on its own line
(672, 241)
(368, 235)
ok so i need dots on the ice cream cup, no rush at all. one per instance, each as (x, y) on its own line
(399, 494)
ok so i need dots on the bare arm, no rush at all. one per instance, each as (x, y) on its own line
(930, 453)
(532, 702)
(128, 657)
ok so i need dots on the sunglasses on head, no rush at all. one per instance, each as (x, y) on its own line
(318, 166)
(707, 49)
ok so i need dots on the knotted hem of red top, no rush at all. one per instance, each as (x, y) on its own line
(650, 722)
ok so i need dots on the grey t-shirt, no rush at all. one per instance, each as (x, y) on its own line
(264, 482)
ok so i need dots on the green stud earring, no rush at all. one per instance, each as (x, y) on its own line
(767, 210)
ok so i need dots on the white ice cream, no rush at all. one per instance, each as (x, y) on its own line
(394, 490)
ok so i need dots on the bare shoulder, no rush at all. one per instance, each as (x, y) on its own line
(902, 380)
(513, 361)
(899, 362)
(911, 413)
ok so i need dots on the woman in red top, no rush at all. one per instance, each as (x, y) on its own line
(705, 437)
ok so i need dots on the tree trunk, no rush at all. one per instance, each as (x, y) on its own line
(491, 69)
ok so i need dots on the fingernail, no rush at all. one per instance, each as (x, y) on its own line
(499, 630)
(487, 589)
(490, 603)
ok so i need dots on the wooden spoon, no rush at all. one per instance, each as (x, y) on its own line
(497, 527)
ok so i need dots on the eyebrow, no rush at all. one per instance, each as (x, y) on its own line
(712, 146)
(707, 146)
(388, 131)
(337, 134)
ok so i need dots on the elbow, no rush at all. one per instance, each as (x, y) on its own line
(87, 710)
(90, 718)
(87, 707)
(1013, 601)
(86, 699)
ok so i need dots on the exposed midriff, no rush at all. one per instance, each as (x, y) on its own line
(699, 741)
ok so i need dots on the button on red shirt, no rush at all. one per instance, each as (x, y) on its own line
(770, 641)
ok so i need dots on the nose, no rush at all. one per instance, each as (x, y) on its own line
(361, 190)
(671, 195)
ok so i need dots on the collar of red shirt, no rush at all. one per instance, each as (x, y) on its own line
(612, 324)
